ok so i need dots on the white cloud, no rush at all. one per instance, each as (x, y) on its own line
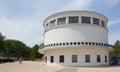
(112, 2)
(114, 22)
(78, 4)
(28, 30)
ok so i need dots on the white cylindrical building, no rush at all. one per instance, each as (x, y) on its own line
(76, 38)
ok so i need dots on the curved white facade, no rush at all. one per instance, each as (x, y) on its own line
(77, 38)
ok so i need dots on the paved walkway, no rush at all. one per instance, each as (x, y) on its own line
(30, 66)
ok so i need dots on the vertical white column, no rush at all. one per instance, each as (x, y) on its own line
(80, 19)
(100, 22)
(67, 20)
(55, 21)
(91, 20)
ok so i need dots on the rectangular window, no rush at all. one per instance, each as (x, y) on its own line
(61, 58)
(98, 58)
(52, 23)
(86, 20)
(74, 19)
(102, 23)
(61, 21)
(96, 21)
(51, 59)
(105, 58)
(74, 58)
(87, 58)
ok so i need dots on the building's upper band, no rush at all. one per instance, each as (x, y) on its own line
(75, 17)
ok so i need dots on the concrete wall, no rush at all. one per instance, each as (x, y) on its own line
(77, 33)
(81, 57)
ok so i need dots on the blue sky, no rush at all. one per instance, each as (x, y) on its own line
(23, 19)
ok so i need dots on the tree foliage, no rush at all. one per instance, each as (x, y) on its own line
(16, 48)
(116, 51)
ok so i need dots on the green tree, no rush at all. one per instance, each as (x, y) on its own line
(34, 52)
(2, 44)
(17, 49)
(116, 51)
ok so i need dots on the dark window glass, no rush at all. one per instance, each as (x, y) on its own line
(99, 44)
(61, 59)
(98, 58)
(52, 23)
(74, 58)
(61, 21)
(60, 44)
(63, 43)
(71, 43)
(86, 20)
(74, 19)
(67, 43)
(96, 21)
(89, 43)
(105, 58)
(78, 43)
(102, 23)
(57, 44)
(74, 43)
(47, 25)
(96, 43)
(82, 43)
(102, 44)
(51, 59)
(87, 58)
(86, 43)
(53, 44)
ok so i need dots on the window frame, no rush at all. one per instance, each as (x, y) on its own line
(52, 23)
(73, 19)
(96, 21)
(52, 59)
(61, 58)
(87, 21)
(98, 58)
(74, 58)
(59, 21)
(87, 58)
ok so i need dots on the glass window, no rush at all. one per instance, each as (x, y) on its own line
(67, 43)
(78, 43)
(47, 25)
(105, 58)
(51, 59)
(102, 23)
(74, 43)
(87, 58)
(89, 43)
(96, 21)
(86, 20)
(71, 43)
(61, 20)
(63, 43)
(74, 58)
(61, 59)
(74, 19)
(82, 43)
(86, 43)
(98, 58)
(52, 23)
